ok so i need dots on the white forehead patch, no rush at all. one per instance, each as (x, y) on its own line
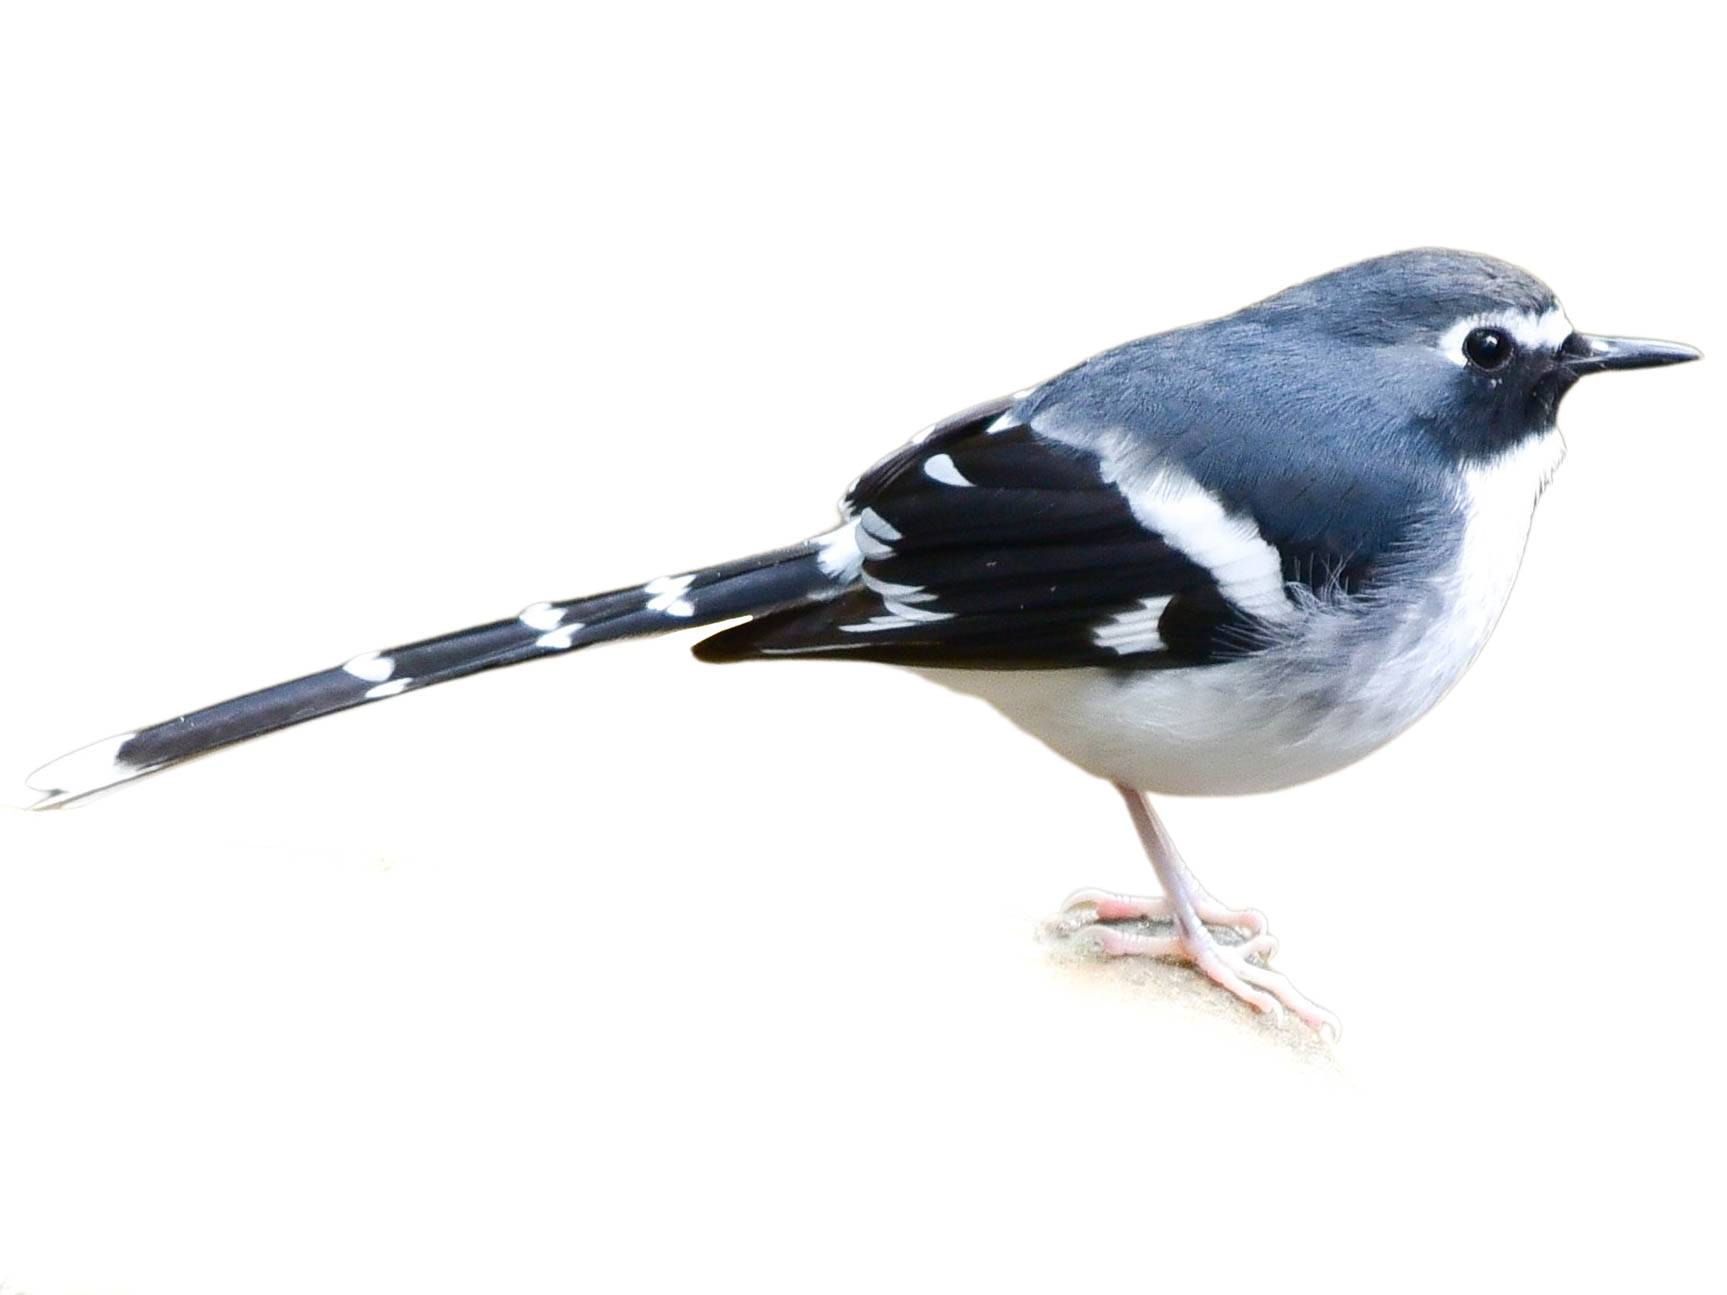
(1536, 332)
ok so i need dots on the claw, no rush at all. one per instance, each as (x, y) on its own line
(1249, 920)
(1311, 1014)
(1076, 917)
(1262, 946)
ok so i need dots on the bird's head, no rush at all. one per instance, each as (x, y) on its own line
(1477, 350)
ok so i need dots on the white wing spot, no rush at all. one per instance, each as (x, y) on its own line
(891, 589)
(387, 689)
(907, 612)
(941, 467)
(1190, 518)
(899, 616)
(871, 547)
(877, 525)
(1135, 630)
(372, 667)
(874, 534)
(839, 556)
(666, 595)
(876, 623)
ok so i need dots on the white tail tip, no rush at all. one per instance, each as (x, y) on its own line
(83, 772)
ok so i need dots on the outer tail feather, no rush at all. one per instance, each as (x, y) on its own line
(816, 569)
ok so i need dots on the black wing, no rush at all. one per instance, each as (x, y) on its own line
(989, 546)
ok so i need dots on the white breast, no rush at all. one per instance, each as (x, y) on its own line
(1346, 680)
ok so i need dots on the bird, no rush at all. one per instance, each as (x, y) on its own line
(1223, 559)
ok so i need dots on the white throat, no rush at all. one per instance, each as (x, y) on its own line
(1498, 500)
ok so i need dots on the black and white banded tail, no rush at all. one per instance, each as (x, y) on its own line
(785, 577)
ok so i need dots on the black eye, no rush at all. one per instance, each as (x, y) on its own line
(1488, 348)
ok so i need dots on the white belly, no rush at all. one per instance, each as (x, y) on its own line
(1346, 681)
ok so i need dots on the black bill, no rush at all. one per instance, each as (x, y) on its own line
(1586, 353)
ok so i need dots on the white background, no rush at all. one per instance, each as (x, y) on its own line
(325, 327)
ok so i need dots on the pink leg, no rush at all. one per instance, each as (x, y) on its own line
(1238, 967)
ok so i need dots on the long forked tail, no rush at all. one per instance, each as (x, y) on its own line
(815, 569)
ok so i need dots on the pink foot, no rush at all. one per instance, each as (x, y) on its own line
(1237, 967)
(1084, 907)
